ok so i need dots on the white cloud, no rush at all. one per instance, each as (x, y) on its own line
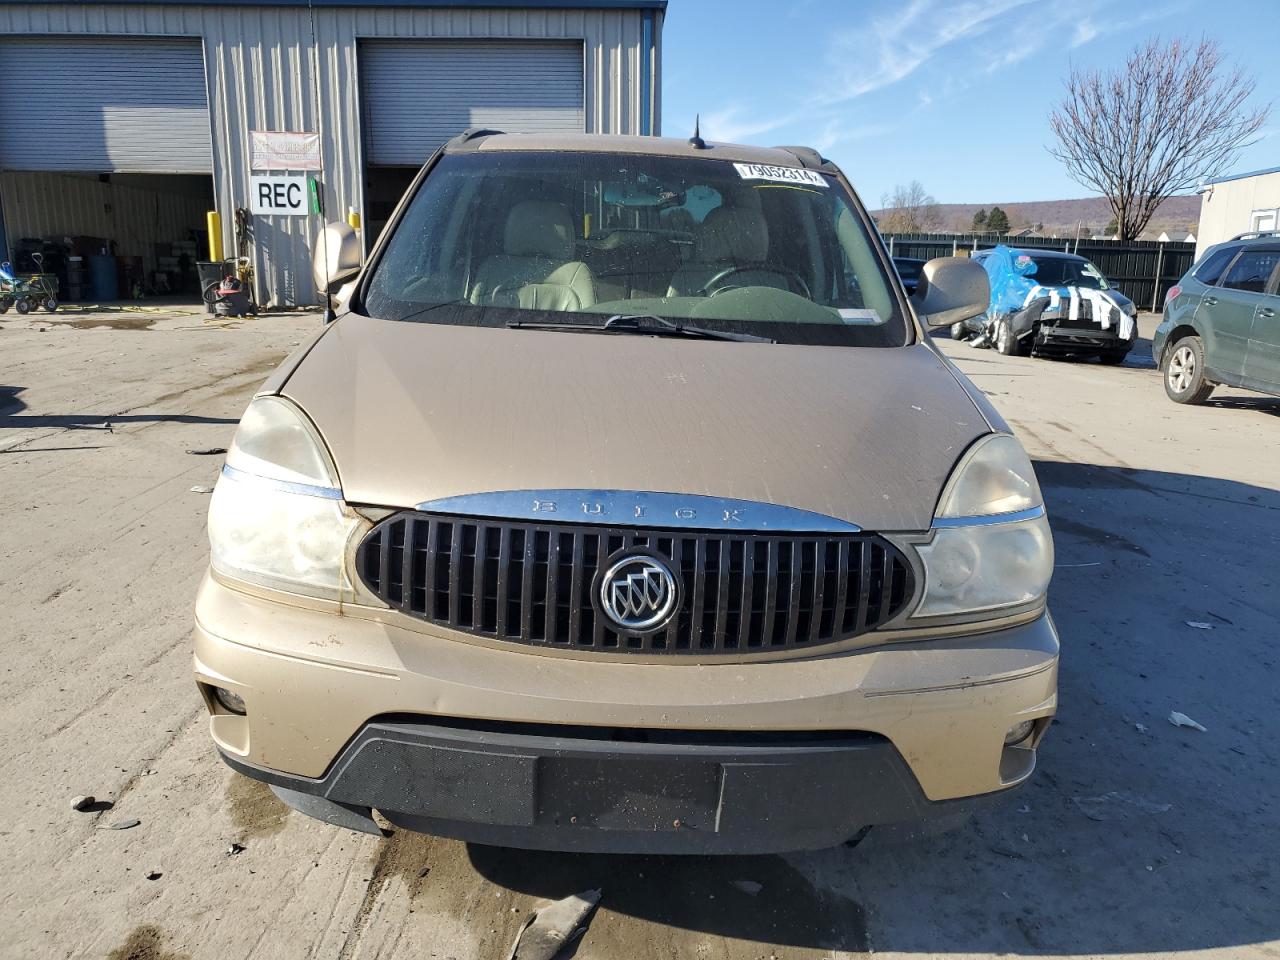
(735, 123)
(1085, 31)
(895, 46)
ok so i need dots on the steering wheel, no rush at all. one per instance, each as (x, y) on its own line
(717, 285)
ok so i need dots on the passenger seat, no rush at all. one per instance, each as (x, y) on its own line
(535, 270)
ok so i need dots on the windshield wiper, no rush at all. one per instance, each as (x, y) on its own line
(645, 324)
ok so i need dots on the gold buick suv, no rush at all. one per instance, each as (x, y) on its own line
(626, 506)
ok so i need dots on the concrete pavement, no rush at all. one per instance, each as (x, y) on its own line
(1135, 838)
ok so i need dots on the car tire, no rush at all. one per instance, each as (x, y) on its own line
(1002, 338)
(1184, 379)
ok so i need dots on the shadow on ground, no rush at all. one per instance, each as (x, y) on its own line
(10, 402)
(90, 421)
(1134, 836)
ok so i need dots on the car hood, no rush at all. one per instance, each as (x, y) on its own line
(417, 412)
(1120, 299)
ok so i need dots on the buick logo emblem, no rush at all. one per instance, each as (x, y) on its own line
(638, 592)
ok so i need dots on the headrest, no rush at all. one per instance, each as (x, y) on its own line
(733, 233)
(539, 228)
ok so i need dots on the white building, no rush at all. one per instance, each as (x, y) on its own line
(1236, 204)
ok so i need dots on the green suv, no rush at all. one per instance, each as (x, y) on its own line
(1222, 321)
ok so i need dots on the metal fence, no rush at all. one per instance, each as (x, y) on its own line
(1141, 269)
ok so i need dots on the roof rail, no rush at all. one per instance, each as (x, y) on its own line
(1255, 234)
(475, 133)
(809, 158)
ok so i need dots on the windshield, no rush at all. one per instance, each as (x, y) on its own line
(1065, 272)
(513, 238)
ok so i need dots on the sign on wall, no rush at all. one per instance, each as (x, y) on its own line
(273, 150)
(278, 194)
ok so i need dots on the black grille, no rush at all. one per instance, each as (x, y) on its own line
(536, 583)
(1084, 316)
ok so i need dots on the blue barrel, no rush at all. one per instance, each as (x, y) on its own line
(102, 277)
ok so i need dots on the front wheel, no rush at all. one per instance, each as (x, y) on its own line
(23, 305)
(1184, 379)
(1004, 339)
(50, 304)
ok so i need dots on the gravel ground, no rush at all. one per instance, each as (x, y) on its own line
(1135, 837)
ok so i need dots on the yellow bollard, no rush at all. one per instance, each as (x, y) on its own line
(215, 235)
(353, 218)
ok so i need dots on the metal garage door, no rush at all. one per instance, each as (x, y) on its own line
(104, 105)
(419, 93)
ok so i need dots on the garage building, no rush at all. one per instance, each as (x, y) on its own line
(1236, 204)
(128, 122)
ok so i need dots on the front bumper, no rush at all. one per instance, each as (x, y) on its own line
(498, 745)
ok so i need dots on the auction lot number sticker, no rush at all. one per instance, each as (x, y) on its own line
(765, 171)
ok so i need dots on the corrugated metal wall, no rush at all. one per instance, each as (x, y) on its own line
(266, 71)
(416, 94)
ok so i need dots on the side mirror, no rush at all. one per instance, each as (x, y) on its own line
(951, 289)
(336, 257)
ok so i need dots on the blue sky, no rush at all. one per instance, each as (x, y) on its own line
(953, 93)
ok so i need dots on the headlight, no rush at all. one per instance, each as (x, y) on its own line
(991, 547)
(277, 518)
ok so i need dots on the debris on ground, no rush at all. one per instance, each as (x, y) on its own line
(749, 887)
(1140, 727)
(199, 489)
(234, 849)
(121, 825)
(154, 875)
(82, 803)
(207, 451)
(1117, 805)
(1182, 720)
(554, 926)
(1198, 624)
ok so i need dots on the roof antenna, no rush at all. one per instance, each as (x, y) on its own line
(696, 141)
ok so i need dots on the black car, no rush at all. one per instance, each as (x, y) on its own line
(1055, 332)
(909, 272)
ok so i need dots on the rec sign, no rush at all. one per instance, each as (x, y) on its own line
(280, 194)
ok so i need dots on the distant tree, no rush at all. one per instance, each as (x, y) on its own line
(1112, 227)
(979, 224)
(1173, 115)
(909, 209)
(997, 221)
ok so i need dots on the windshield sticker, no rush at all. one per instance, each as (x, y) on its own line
(860, 316)
(764, 171)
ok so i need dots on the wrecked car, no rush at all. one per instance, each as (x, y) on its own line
(625, 506)
(1049, 303)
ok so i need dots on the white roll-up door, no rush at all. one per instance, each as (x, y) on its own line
(104, 105)
(419, 93)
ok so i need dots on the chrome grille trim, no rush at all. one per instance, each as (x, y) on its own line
(537, 583)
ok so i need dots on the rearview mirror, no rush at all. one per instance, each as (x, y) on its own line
(951, 289)
(336, 257)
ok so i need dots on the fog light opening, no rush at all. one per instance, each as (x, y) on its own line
(1019, 732)
(229, 701)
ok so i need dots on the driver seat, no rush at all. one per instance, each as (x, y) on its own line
(535, 270)
(728, 237)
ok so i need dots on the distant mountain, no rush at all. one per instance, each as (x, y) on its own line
(1060, 217)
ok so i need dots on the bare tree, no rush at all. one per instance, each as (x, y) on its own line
(1171, 116)
(909, 209)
